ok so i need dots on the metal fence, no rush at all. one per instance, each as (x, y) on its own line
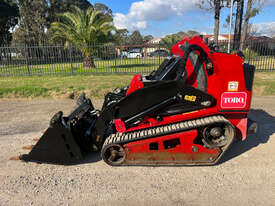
(258, 52)
(54, 60)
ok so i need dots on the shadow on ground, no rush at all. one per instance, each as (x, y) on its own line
(92, 157)
(266, 127)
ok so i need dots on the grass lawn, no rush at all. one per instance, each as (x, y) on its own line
(95, 86)
(61, 86)
(264, 83)
(143, 65)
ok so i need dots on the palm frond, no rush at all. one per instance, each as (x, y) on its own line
(82, 28)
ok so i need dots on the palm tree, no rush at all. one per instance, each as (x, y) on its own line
(83, 29)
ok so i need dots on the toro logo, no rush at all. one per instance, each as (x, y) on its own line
(233, 100)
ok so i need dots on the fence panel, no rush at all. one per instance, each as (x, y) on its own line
(260, 53)
(110, 58)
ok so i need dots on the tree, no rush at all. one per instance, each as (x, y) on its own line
(136, 38)
(37, 16)
(238, 24)
(250, 12)
(192, 32)
(215, 5)
(105, 9)
(121, 36)
(181, 33)
(8, 19)
(217, 9)
(83, 29)
(32, 22)
(147, 38)
(56, 7)
(82, 4)
(169, 40)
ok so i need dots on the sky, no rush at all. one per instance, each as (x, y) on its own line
(162, 17)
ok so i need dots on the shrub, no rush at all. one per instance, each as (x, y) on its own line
(250, 54)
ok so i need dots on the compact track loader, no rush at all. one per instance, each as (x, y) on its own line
(187, 112)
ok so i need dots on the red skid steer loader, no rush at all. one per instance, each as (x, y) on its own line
(187, 112)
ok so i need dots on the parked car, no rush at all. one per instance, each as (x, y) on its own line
(159, 52)
(131, 54)
(123, 54)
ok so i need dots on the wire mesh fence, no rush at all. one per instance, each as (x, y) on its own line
(109, 58)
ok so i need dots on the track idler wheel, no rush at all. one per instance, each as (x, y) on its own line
(113, 154)
(217, 135)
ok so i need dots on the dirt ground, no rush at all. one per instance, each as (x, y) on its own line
(246, 175)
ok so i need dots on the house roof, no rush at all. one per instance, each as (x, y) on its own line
(259, 38)
(226, 36)
(154, 40)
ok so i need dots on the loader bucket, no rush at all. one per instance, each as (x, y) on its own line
(67, 139)
(57, 145)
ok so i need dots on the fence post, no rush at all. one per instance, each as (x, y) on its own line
(71, 64)
(115, 60)
(27, 60)
(249, 53)
(159, 52)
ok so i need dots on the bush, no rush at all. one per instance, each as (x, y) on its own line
(250, 54)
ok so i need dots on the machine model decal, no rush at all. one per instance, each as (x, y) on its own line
(233, 86)
(233, 100)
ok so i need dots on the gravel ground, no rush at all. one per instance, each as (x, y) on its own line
(246, 175)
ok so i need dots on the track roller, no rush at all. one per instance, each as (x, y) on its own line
(113, 154)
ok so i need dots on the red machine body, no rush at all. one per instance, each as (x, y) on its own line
(226, 83)
(233, 103)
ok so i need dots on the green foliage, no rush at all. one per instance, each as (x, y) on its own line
(254, 12)
(250, 54)
(8, 19)
(169, 40)
(192, 32)
(136, 38)
(83, 28)
(181, 33)
(56, 7)
(121, 36)
(37, 16)
(32, 23)
(105, 9)
(147, 38)
(106, 51)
